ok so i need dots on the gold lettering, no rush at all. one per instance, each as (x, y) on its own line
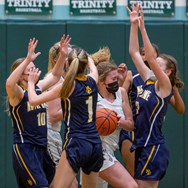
(30, 108)
(145, 95)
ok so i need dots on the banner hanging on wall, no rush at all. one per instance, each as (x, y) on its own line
(156, 8)
(28, 7)
(92, 7)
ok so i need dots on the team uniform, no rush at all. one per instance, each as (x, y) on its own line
(137, 82)
(32, 164)
(132, 94)
(82, 142)
(110, 142)
(151, 153)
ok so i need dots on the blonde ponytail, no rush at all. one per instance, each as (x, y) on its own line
(69, 78)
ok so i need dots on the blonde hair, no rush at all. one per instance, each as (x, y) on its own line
(171, 64)
(52, 55)
(102, 55)
(77, 59)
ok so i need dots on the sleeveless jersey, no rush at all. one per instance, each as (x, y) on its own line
(113, 139)
(132, 93)
(150, 114)
(79, 111)
(29, 122)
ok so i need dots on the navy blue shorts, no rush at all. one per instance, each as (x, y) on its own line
(125, 135)
(85, 155)
(151, 162)
(33, 166)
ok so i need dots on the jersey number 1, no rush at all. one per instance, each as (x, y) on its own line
(89, 103)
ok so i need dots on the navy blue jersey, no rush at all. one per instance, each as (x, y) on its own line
(150, 114)
(29, 122)
(137, 82)
(79, 111)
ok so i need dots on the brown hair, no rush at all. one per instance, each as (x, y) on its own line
(156, 48)
(171, 64)
(15, 64)
(104, 68)
(77, 59)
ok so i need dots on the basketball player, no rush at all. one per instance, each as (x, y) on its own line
(131, 83)
(54, 112)
(115, 98)
(32, 164)
(82, 146)
(151, 152)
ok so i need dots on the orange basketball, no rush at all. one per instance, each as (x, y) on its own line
(106, 121)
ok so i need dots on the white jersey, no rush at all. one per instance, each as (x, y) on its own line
(112, 140)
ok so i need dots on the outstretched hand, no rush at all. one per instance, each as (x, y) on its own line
(65, 41)
(136, 14)
(31, 55)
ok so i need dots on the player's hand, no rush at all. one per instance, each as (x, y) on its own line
(34, 74)
(31, 54)
(64, 43)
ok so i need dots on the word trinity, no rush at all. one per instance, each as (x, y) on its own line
(28, 3)
(154, 4)
(92, 3)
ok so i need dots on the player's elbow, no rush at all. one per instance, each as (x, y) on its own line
(32, 102)
(181, 110)
(9, 84)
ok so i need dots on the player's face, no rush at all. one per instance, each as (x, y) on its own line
(26, 71)
(111, 77)
(111, 82)
(162, 63)
(142, 53)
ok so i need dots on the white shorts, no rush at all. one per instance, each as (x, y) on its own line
(109, 157)
(109, 160)
(54, 145)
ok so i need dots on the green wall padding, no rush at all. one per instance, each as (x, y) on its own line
(92, 36)
(186, 103)
(3, 115)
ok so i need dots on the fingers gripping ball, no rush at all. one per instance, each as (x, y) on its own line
(106, 121)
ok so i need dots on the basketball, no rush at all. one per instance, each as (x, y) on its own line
(106, 121)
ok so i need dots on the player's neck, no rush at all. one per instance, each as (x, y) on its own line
(108, 96)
